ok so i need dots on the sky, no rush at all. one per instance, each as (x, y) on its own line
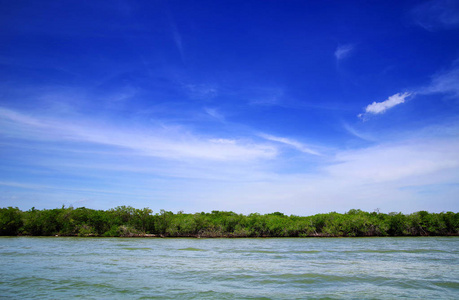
(300, 107)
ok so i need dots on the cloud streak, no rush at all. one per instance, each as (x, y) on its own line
(200, 91)
(392, 162)
(390, 175)
(381, 107)
(169, 143)
(393, 176)
(445, 82)
(213, 112)
(343, 51)
(289, 142)
(437, 14)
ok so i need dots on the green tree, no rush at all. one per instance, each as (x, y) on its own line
(10, 221)
(398, 224)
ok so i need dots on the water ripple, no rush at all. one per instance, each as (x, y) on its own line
(97, 268)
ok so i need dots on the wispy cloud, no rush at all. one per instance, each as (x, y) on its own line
(13, 116)
(364, 136)
(200, 91)
(381, 107)
(56, 187)
(289, 142)
(343, 51)
(171, 143)
(437, 14)
(214, 113)
(263, 96)
(178, 40)
(390, 175)
(176, 36)
(396, 161)
(393, 176)
(445, 82)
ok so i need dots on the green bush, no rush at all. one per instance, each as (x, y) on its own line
(128, 221)
(10, 221)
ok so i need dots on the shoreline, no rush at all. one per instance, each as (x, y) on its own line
(160, 236)
(126, 221)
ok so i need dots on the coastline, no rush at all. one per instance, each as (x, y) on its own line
(126, 221)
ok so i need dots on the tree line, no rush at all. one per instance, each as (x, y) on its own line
(124, 221)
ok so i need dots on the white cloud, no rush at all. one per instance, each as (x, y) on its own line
(395, 162)
(403, 176)
(393, 176)
(262, 95)
(381, 107)
(13, 116)
(437, 14)
(223, 141)
(56, 187)
(343, 51)
(292, 143)
(408, 176)
(170, 143)
(445, 82)
(361, 135)
(201, 91)
(214, 113)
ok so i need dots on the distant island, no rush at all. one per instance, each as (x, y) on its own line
(126, 221)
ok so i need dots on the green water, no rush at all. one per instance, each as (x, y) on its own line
(333, 268)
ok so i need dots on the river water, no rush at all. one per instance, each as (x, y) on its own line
(286, 268)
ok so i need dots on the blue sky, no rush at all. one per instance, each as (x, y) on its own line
(301, 107)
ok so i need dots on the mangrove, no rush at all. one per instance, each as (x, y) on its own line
(126, 221)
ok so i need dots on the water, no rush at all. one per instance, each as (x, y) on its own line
(136, 268)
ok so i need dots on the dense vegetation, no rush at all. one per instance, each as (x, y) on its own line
(129, 221)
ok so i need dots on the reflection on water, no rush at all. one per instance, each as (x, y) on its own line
(115, 268)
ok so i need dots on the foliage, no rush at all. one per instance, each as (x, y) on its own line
(129, 221)
(10, 221)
